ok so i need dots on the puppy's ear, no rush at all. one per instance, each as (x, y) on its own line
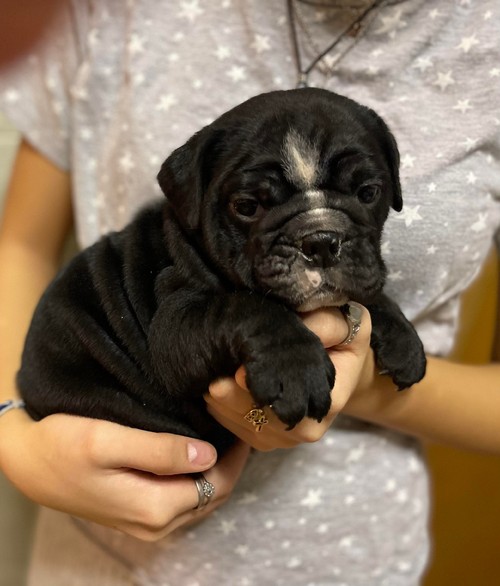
(185, 175)
(392, 156)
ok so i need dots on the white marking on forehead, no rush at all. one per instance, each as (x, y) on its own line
(301, 160)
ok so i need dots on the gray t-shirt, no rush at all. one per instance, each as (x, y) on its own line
(123, 83)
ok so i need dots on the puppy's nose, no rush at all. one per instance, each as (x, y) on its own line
(322, 248)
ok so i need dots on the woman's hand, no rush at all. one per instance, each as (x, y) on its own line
(135, 481)
(229, 400)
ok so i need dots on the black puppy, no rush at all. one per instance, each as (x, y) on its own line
(276, 207)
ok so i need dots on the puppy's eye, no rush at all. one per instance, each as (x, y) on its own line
(368, 193)
(246, 207)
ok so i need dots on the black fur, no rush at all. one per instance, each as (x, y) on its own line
(135, 328)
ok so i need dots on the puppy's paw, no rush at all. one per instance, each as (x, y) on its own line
(296, 379)
(396, 344)
(404, 361)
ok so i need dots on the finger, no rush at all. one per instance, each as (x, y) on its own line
(360, 339)
(273, 434)
(269, 438)
(223, 476)
(230, 466)
(333, 327)
(229, 390)
(227, 397)
(228, 404)
(328, 324)
(241, 377)
(179, 498)
(115, 446)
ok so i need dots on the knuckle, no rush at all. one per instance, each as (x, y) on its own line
(311, 433)
(92, 440)
(152, 520)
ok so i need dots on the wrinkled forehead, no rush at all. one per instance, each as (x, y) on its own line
(300, 159)
(307, 159)
(306, 140)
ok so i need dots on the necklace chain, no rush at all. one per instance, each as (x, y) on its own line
(303, 72)
(326, 4)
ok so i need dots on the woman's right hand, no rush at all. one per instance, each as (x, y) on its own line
(133, 480)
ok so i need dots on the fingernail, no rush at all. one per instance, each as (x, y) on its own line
(200, 453)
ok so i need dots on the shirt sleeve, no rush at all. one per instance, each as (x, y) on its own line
(36, 91)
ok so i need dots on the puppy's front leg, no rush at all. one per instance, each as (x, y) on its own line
(197, 337)
(397, 347)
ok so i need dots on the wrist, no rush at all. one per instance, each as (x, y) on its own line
(376, 398)
(9, 404)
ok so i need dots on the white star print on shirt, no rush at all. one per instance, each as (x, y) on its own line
(227, 526)
(390, 485)
(346, 542)
(166, 102)
(467, 43)
(423, 63)
(356, 454)
(126, 163)
(407, 161)
(469, 143)
(191, 10)
(480, 225)
(471, 178)
(247, 498)
(261, 43)
(444, 80)
(390, 24)
(222, 52)
(463, 106)
(241, 550)
(385, 249)
(394, 276)
(237, 73)
(410, 214)
(135, 44)
(313, 498)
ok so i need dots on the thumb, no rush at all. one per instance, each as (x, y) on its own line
(116, 446)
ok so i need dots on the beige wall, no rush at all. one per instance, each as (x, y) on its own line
(8, 143)
(466, 492)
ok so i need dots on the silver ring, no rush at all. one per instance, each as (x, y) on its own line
(206, 491)
(352, 314)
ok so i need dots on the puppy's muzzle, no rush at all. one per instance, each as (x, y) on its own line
(321, 249)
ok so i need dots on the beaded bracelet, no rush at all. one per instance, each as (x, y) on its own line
(10, 404)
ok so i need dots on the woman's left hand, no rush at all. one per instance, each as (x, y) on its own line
(229, 400)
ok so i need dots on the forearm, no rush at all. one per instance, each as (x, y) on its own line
(35, 223)
(455, 404)
(23, 277)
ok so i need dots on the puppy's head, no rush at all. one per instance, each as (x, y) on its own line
(287, 194)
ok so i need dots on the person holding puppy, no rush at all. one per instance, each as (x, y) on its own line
(117, 88)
